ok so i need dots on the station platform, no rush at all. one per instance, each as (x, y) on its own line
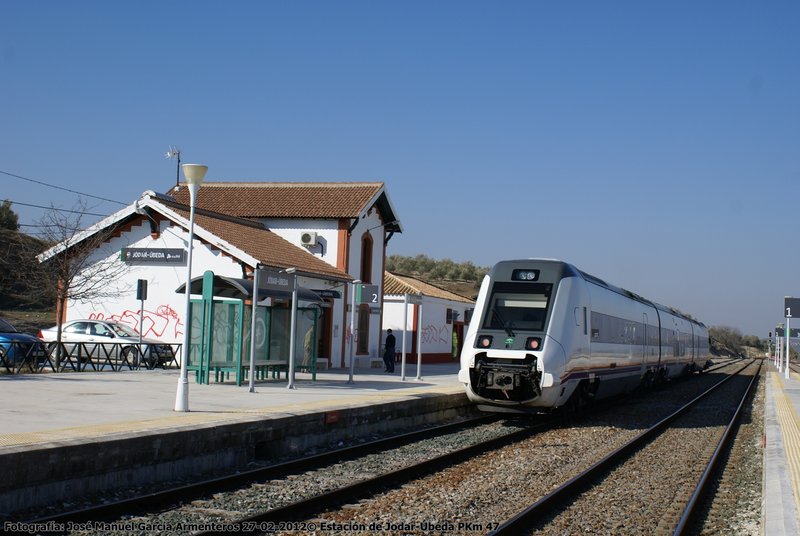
(47, 408)
(781, 497)
(49, 422)
(97, 431)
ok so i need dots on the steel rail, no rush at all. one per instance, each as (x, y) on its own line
(357, 490)
(165, 499)
(302, 508)
(690, 511)
(527, 517)
(162, 500)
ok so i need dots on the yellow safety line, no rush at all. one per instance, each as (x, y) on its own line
(790, 429)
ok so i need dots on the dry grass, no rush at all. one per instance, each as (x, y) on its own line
(29, 321)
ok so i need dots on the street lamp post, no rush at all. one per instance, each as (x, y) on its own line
(355, 283)
(405, 331)
(292, 328)
(419, 340)
(256, 282)
(194, 173)
(788, 340)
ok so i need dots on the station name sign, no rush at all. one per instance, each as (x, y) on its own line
(154, 256)
(794, 333)
(274, 280)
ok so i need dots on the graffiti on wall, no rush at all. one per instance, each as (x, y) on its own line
(161, 323)
(435, 335)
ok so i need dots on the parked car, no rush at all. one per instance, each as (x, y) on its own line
(17, 347)
(93, 337)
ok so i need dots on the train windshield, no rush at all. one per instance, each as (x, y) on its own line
(518, 306)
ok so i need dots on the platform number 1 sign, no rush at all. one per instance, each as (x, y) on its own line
(791, 304)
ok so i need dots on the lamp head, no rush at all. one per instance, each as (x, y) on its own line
(194, 173)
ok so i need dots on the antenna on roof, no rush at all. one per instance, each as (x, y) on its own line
(174, 152)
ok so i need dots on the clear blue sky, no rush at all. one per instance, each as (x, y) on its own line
(653, 144)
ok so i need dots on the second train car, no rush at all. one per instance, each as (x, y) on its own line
(545, 334)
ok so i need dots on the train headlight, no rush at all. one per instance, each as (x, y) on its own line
(533, 343)
(484, 341)
(525, 275)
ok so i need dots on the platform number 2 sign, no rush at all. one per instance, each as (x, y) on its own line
(370, 294)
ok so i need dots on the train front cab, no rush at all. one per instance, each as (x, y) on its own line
(510, 360)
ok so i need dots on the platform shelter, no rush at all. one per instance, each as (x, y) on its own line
(220, 330)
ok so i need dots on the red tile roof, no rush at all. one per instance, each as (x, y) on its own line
(262, 244)
(394, 284)
(283, 199)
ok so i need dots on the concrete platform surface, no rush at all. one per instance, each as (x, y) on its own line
(781, 499)
(47, 408)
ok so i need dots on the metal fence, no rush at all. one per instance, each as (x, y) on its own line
(21, 357)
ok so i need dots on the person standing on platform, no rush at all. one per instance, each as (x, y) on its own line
(388, 354)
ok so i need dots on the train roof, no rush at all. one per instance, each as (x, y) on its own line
(569, 270)
(637, 297)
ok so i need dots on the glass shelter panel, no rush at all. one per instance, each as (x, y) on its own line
(280, 326)
(306, 337)
(262, 330)
(196, 312)
(226, 334)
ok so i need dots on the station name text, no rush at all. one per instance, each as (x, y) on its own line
(245, 526)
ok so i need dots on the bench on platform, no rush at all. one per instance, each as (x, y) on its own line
(264, 369)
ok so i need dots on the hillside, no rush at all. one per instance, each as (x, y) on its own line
(462, 278)
(17, 262)
(29, 321)
(468, 289)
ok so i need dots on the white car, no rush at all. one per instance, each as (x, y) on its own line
(99, 338)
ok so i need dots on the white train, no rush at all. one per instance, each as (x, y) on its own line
(545, 334)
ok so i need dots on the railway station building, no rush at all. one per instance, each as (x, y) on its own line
(331, 233)
(433, 319)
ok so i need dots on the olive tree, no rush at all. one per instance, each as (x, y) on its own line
(8, 218)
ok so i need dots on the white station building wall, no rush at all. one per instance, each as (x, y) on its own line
(372, 224)
(327, 235)
(164, 309)
(437, 334)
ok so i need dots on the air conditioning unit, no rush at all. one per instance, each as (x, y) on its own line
(308, 239)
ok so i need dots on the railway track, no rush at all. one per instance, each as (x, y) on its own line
(326, 481)
(618, 472)
(191, 496)
(471, 497)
